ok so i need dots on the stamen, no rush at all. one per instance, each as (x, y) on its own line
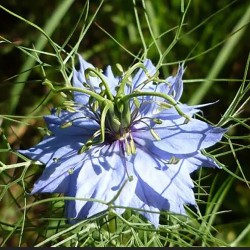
(131, 178)
(85, 147)
(122, 155)
(66, 124)
(157, 121)
(119, 67)
(153, 78)
(164, 105)
(71, 171)
(58, 111)
(70, 123)
(128, 148)
(132, 144)
(173, 160)
(70, 109)
(129, 82)
(136, 102)
(95, 106)
(90, 142)
(155, 135)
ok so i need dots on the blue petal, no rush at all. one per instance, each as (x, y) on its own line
(138, 84)
(79, 79)
(172, 87)
(174, 183)
(168, 117)
(79, 97)
(64, 140)
(176, 82)
(160, 188)
(101, 178)
(147, 199)
(199, 160)
(52, 148)
(188, 138)
(81, 124)
(111, 79)
(93, 83)
(140, 77)
(182, 139)
(60, 159)
(56, 176)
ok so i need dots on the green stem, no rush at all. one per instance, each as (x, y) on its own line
(127, 75)
(108, 105)
(85, 91)
(98, 74)
(164, 96)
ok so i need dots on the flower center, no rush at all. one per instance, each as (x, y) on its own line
(122, 137)
(128, 141)
(114, 110)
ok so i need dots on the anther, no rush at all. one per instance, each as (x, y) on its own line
(155, 135)
(66, 124)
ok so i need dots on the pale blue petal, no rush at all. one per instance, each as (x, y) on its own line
(60, 160)
(81, 124)
(176, 82)
(52, 148)
(79, 97)
(56, 177)
(63, 140)
(111, 79)
(174, 183)
(149, 148)
(160, 169)
(183, 138)
(172, 87)
(188, 138)
(147, 199)
(140, 77)
(80, 81)
(92, 81)
(138, 84)
(101, 178)
(199, 160)
(168, 117)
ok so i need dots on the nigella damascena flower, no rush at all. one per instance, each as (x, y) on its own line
(125, 141)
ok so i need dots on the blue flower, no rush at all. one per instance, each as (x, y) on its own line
(125, 140)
